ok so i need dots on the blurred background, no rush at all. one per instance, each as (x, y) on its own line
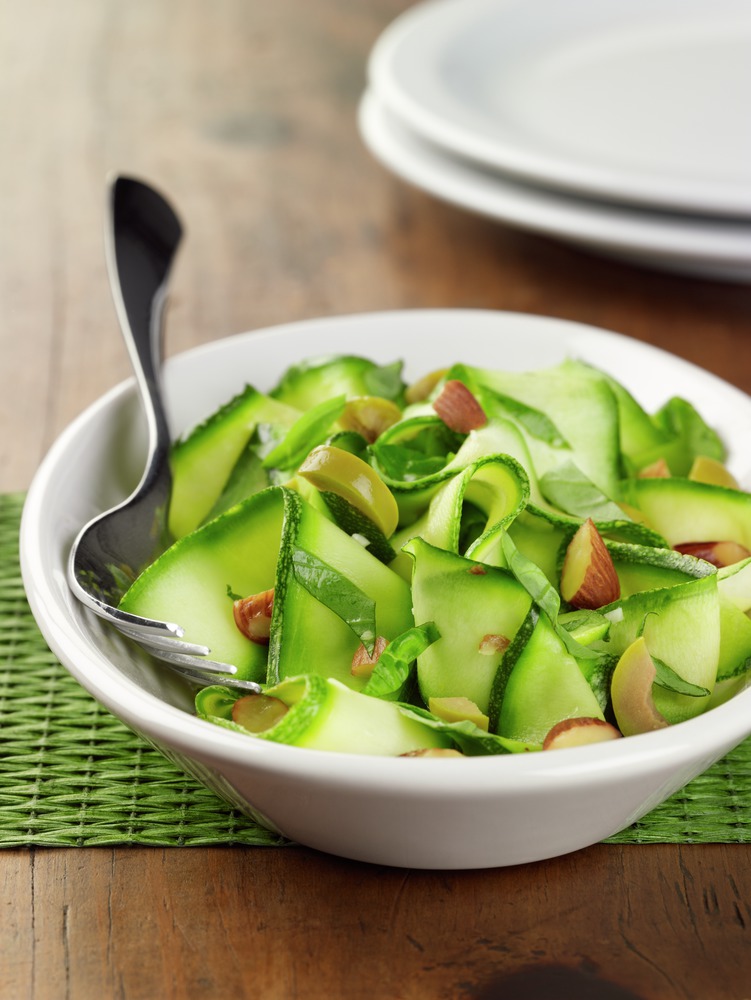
(246, 115)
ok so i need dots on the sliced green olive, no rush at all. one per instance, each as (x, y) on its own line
(631, 691)
(422, 388)
(258, 712)
(369, 416)
(709, 470)
(458, 709)
(337, 471)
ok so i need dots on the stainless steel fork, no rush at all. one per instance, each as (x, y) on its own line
(141, 238)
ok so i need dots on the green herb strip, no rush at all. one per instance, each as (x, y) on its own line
(408, 465)
(311, 429)
(667, 678)
(681, 420)
(543, 593)
(535, 422)
(339, 594)
(469, 738)
(581, 619)
(385, 381)
(394, 665)
(567, 488)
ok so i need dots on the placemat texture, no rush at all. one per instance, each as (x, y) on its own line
(71, 774)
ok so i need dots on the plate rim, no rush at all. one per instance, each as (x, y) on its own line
(511, 156)
(712, 248)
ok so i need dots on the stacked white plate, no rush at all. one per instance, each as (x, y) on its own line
(621, 125)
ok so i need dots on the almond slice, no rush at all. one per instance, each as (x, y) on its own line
(579, 732)
(657, 470)
(493, 643)
(458, 408)
(588, 577)
(718, 553)
(363, 663)
(253, 616)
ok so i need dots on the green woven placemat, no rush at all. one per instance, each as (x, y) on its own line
(71, 774)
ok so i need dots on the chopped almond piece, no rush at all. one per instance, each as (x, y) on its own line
(477, 570)
(458, 408)
(432, 752)
(253, 616)
(493, 643)
(718, 553)
(579, 732)
(657, 470)
(363, 663)
(588, 577)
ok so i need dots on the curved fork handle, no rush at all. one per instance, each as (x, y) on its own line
(141, 239)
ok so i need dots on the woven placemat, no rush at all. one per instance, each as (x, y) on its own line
(71, 774)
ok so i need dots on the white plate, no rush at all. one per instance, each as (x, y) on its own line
(459, 813)
(637, 100)
(712, 248)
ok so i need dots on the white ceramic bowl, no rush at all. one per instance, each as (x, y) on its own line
(422, 813)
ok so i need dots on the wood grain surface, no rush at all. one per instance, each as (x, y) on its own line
(245, 113)
(609, 923)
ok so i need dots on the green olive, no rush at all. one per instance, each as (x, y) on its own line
(369, 416)
(258, 712)
(337, 471)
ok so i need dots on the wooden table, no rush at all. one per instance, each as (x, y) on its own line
(245, 114)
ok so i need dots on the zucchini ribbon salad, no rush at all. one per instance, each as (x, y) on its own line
(481, 562)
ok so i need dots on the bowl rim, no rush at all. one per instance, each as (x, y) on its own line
(728, 723)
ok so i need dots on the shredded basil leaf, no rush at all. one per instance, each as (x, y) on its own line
(668, 679)
(406, 465)
(567, 488)
(385, 381)
(535, 422)
(543, 593)
(394, 665)
(306, 432)
(338, 593)
(418, 452)
(469, 738)
(681, 420)
(581, 618)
